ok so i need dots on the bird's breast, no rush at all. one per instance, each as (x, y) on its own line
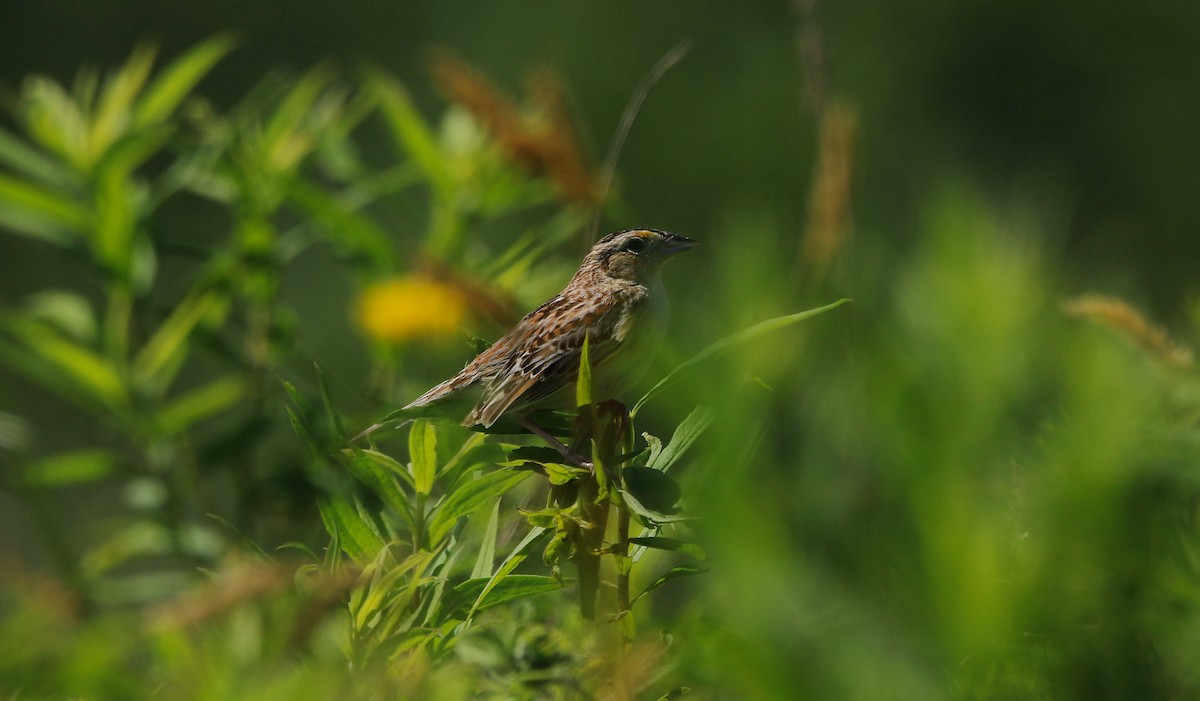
(640, 331)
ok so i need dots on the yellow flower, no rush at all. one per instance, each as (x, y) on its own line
(401, 309)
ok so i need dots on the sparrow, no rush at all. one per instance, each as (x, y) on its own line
(615, 300)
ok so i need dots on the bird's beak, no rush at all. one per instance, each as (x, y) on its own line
(678, 244)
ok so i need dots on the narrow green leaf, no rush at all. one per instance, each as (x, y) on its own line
(683, 438)
(200, 403)
(70, 468)
(672, 544)
(288, 136)
(31, 162)
(411, 133)
(502, 591)
(335, 421)
(356, 535)
(673, 573)
(23, 223)
(111, 118)
(469, 497)
(67, 311)
(246, 539)
(301, 430)
(42, 204)
(760, 329)
(655, 490)
(366, 467)
(153, 361)
(89, 371)
(392, 466)
(174, 82)
(648, 516)
(532, 453)
(54, 119)
(115, 223)
(654, 446)
(422, 451)
(583, 385)
(446, 564)
(487, 549)
(352, 233)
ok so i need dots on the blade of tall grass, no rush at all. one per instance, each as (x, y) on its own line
(759, 329)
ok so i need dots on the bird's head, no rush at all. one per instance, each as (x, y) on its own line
(635, 254)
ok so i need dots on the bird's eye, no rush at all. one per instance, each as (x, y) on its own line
(635, 245)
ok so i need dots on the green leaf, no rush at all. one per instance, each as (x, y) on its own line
(469, 497)
(653, 489)
(200, 403)
(760, 329)
(510, 588)
(352, 233)
(70, 468)
(376, 471)
(40, 204)
(683, 438)
(583, 385)
(254, 546)
(411, 133)
(487, 551)
(31, 162)
(55, 120)
(55, 358)
(115, 223)
(654, 446)
(66, 311)
(673, 573)
(30, 226)
(679, 546)
(156, 362)
(288, 136)
(357, 536)
(543, 460)
(533, 453)
(111, 118)
(627, 625)
(178, 79)
(335, 421)
(422, 451)
(391, 466)
(649, 517)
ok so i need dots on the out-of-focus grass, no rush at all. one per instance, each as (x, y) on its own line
(950, 488)
(964, 494)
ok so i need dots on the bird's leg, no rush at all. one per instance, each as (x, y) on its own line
(571, 456)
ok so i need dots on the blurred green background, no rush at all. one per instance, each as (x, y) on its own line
(952, 488)
(1089, 109)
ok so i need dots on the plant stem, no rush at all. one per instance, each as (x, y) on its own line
(621, 550)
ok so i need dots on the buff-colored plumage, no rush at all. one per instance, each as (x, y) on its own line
(613, 299)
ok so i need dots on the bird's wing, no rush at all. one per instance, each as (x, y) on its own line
(546, 358)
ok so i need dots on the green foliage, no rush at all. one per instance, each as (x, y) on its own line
(950, 489)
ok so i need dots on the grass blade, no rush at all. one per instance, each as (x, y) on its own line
(759, 329)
